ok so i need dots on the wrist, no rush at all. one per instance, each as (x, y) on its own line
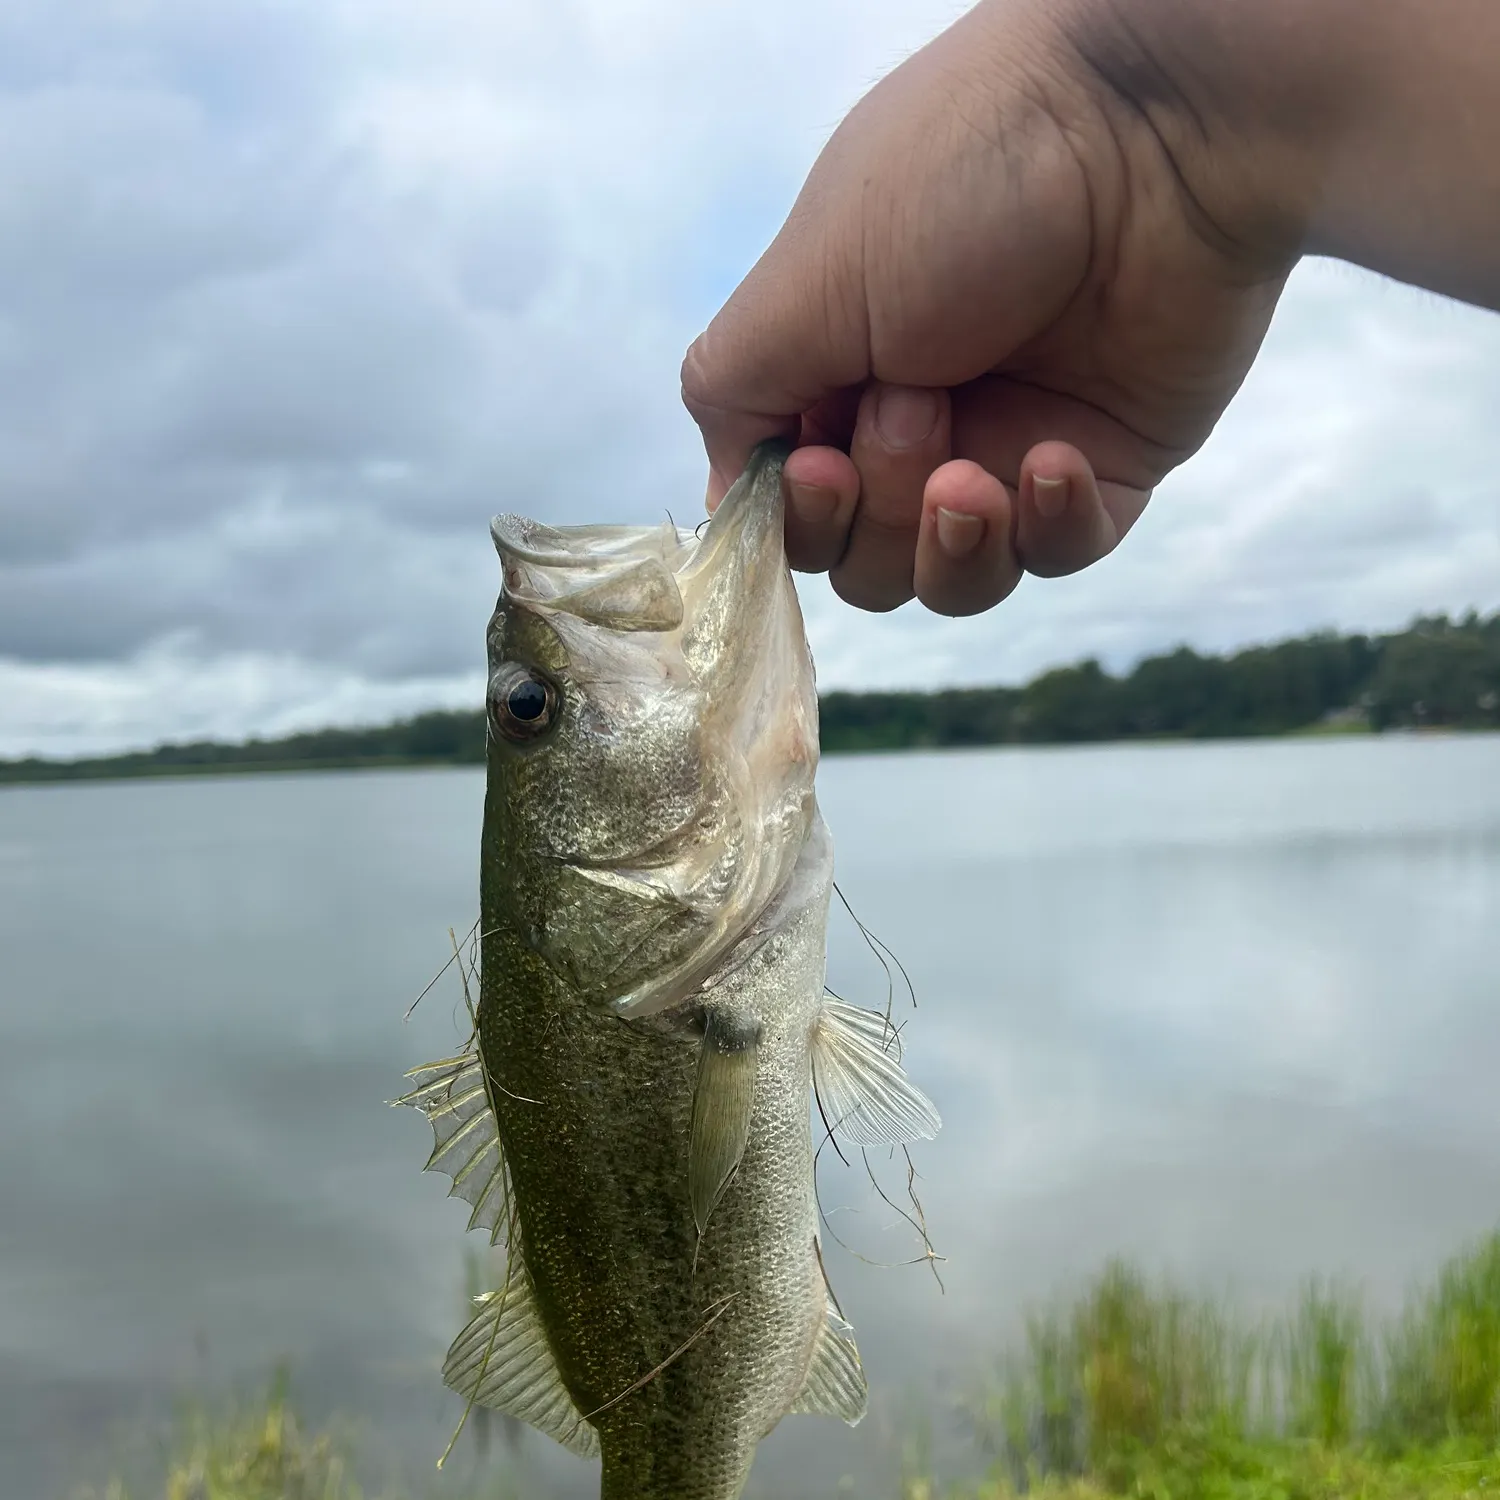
(1206, 84)
(1361, 130)
(1409, 182)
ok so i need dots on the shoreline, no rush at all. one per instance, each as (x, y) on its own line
(108, 769)
(1437, 677)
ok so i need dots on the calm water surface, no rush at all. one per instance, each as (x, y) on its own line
(1231, 1010)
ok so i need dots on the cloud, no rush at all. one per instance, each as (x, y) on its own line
(231, 694)
(292, 299)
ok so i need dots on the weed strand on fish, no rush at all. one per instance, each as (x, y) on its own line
(885, 956)
(716, 1311)
(917, 1218)
(431, 983)
(484, 1364)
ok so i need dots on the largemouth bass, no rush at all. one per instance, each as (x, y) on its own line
(633, 1117)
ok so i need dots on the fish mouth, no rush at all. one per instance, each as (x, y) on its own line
(720, 612)
(637, 578)
(620, 577)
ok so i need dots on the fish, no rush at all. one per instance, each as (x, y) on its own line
(633, 1115)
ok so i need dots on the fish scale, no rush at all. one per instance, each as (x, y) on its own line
(633, 1114)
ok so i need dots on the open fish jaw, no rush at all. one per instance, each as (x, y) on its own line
(687, 667)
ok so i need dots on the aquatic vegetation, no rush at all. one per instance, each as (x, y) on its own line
(1226, 1469)
(1118, 1373)
(256, 1452)
(1442, 1358)
(1326, 1353)
(1142, 1390)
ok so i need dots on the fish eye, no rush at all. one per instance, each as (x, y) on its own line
(522, 703)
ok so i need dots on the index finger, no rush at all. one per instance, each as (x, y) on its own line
(786, 339)
(730, 436)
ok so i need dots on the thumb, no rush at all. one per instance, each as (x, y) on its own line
(793, 333)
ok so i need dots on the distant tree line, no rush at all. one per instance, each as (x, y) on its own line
(443, 737)
(1439, 673)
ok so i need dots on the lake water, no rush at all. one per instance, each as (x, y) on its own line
(1231, 1010)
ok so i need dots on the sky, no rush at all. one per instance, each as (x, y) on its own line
(293, 298)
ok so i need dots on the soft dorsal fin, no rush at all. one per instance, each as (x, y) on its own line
(454, 1096)
(722, 1105)
(865, 1096)
(502, 1360)
(835, 1384)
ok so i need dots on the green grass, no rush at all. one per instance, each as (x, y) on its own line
(1142, 1390)
(1442, 1356)
(1188, 1467)
(1132, 1389)
(257, 1452)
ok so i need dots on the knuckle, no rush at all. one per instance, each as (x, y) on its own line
(890, 507)
(697, 381)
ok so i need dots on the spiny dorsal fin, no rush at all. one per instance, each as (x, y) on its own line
(455, 1098)
(502, 1360)
(864, 1094)
(722, 1105)
(835, 1384)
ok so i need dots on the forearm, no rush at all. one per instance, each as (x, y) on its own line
(1363, 129)
(1411, 182)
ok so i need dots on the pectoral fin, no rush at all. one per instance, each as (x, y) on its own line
(502, 1360)
(722, 1105)
(865, 1096)
(835, 1385)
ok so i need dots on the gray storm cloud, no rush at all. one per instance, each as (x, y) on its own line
(293, 298)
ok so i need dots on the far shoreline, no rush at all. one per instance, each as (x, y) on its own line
(1437, 676)
(97, 773)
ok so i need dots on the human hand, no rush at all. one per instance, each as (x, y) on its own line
(999, 313)
(1032, 267)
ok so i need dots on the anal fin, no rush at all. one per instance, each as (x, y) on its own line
(835, 1384)
(722, 1105)
(865, 1095)
(502, 1360)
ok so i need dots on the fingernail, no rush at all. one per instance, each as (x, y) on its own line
(1051, 495)
(958, 533)
(905, 415)
(813, 502)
